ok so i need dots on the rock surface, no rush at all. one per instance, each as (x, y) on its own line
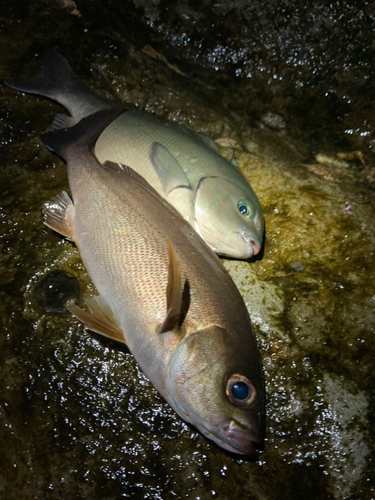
(78, 419)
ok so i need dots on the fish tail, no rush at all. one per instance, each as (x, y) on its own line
(57, 81)
(82, 136)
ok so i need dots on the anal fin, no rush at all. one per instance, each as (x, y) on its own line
(58, 215)
(99, 318)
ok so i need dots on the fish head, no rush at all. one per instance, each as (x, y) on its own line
(228, 216)
(219, 388)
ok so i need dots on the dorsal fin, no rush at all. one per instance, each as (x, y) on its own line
(174, 293)
(116, 167)
(233, 161)
(129, 172)
(83, 135)
(141, 181)
(61, 121)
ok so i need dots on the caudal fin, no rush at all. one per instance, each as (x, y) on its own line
(53, 72)
(57, 81)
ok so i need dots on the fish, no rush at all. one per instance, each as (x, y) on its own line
(161, 291)
(183, 166)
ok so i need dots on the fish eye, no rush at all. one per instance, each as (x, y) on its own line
(240, 391)
(245, 208)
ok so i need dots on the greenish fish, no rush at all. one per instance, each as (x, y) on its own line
(183, 166)
(162, 291)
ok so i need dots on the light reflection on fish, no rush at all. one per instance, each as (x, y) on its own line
(182, 165)
(162, 291)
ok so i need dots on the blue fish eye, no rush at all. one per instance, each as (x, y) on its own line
(240, 391)
(244, 208)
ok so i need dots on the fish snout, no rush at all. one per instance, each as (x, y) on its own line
(253, 247)
(242, 439)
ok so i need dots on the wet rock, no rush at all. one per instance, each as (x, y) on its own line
(274, 121)
(345, 415)
(264, 299)
(55, 290)
(103, 429)
(297, 266)
(313, 62)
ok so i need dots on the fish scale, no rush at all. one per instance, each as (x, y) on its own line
(141, 256)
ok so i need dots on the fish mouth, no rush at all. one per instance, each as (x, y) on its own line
(252, 246)
(235, 439)
(242, 440)
(256, 247)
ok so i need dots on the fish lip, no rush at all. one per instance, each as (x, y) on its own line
(239, 441)
(256, 247)
(242, 440)
(252, 245)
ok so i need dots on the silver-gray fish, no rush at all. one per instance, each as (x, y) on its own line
(162, 291)
(183, 166)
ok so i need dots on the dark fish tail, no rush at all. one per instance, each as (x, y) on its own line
(82, 136)
(57, 81)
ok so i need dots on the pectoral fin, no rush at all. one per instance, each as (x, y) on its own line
(100, 319)
(58, 215)
(170, 172)
(174, 293)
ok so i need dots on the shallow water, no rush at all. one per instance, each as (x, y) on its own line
(77, 417)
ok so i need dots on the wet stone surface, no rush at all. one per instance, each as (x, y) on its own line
(78, 419)
(55, 290)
